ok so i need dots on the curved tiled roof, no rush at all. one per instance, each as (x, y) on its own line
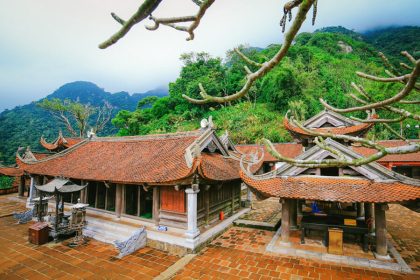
(11, 171)
(338, 189)
(346, 130)
(149, 159)
(60, 142)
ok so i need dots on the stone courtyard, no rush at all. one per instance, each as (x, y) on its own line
(239, 253)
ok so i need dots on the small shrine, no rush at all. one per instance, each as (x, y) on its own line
(334, 202)
(61, 223)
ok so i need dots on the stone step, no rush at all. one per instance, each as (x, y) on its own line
(257, 224)
(107, 232)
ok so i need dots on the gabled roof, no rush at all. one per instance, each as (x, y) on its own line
(327, 121)
(60, 143)
(288, 181)
(150, 159)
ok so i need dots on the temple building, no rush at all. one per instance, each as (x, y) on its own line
(335, 193)
(183, 187)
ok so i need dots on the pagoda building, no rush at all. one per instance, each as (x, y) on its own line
(359, 192)
(183, 187)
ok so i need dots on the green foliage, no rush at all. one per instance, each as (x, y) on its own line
(6, 182)
(315, 67)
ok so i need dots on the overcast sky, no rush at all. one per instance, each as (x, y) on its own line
(47, 43)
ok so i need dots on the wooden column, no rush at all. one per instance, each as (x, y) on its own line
(380, 229)
(156, 204)
(83, 193)
(360, 209)
(299, 207)
(293, 213)
(285, 221)
(369, 217)
(207, 203)
(118, 200)
(21, 188)
(138, 200)
(233, 199)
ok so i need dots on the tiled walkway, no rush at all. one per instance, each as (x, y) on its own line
(22, 260)
(223, 260)
(238, 254)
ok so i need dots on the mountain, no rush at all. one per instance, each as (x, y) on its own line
(393, 40)
(24, 125)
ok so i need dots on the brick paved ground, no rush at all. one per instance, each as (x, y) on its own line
(240, 253)
(10, 203)
(226, 263)
(21, 260)
(268, 210)
(404, 227)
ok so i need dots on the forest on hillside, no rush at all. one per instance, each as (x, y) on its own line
(320, 64)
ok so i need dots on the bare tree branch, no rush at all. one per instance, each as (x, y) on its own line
(143, 12)
(204, 5)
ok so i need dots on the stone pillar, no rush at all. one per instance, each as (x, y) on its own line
(118, 200)
(360, 209)
(192, 231)
(293, 213)
(29, 202)
(285, 221)
(156, 204)
(369, 217)
(21, 188)
(380, 230)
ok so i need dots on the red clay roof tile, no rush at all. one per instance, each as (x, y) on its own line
(339, 189)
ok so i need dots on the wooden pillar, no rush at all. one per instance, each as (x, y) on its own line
(360, 209)
(21, 188)
(233, 199)
(380, 230)
(83, 193)
(299, 207)
(369, 217)
(118, 200)
(207, 203)
(156, 204)
(285, 221)
(293, 213)
(138, 200)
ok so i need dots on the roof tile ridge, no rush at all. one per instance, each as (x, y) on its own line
(59, 154)
(148, 137)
